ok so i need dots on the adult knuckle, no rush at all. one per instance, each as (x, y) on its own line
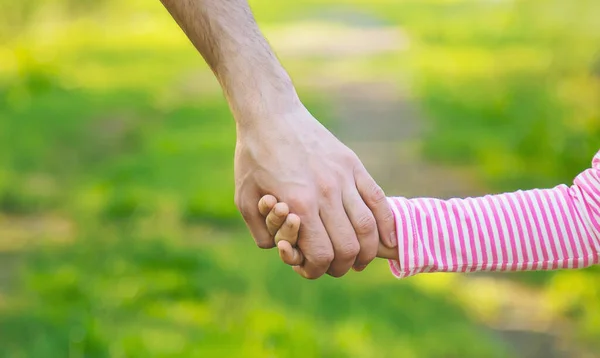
(299, 203)
(350, 158)
(323, 258)
(327, 188)
(349, 250)
(376, 194)
(365, 224)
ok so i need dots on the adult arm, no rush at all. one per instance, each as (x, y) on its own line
(282, 149)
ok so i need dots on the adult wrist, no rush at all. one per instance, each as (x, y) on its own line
(263, 101)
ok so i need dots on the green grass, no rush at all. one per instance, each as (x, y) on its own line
(121, 132)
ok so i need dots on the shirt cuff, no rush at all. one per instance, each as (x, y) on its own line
(407, 240)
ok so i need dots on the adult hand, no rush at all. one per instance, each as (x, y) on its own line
(343, 211)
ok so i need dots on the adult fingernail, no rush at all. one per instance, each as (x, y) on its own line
(393, 239)
(360, 268)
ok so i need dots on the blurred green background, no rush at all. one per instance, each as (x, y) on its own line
(118, 233)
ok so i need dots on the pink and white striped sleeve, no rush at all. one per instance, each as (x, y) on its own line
(537, 229)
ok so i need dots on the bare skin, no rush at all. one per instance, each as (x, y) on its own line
(285, 227)
(282, 149)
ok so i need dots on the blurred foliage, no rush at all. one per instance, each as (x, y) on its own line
(520, 98)
(110, 121)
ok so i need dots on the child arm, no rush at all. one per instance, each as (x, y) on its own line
(526, 230)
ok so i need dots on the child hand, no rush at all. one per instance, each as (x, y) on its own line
(284, 226)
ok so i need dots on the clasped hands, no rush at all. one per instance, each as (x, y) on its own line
(300, 188)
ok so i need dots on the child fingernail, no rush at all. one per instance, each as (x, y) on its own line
(393, 239)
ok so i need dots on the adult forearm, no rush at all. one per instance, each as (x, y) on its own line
(227, 36)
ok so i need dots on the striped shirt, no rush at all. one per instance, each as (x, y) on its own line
(537, 229)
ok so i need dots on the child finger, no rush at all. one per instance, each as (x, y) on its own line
(266, 203)
(384, 252)
(290, 255)
(277, 217)
(289, 231)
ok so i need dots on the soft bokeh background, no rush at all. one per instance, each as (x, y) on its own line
(118, 233)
